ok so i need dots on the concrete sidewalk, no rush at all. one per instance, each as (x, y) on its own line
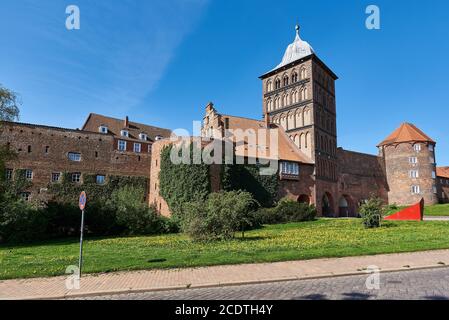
(141, 281)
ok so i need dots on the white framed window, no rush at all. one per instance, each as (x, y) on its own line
(137, 147)
(124, 133)
(413, 160)
(143, 136)
(158, 137)
(8, 174)
(416, 190)
(76, 177)
(26, 196)
(55, 177)
(121, 145)
(431, 148)
(414, 174)
(103, 129)
(434, 175)
(432, 159)
(149, 148)
(290, 168)
(417, 147)
(435, 189)
(29, 174)
(101, 179)
(74, 156)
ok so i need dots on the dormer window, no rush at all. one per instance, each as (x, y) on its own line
(124, 133)
(157, 138)
(143, 136)
(103, 129)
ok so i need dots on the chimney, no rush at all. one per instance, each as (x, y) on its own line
(126, 122)
(267, 121)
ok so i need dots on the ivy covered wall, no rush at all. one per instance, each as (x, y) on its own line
(247, 178)
(181, 183)
(68, 192)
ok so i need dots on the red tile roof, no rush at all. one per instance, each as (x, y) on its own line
(94, 121)
(407, 132)
(286, 149)
(443, 172)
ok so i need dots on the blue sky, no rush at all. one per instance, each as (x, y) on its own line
(160, 62)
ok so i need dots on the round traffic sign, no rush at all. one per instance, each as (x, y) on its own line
(83, 200)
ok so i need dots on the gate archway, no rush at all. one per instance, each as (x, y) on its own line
(327, 205)
(345, 206)
(304, 199)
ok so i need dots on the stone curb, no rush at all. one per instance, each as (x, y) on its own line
(225, 284)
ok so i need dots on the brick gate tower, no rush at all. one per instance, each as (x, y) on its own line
(299, 96)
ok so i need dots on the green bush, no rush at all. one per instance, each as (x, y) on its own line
(19, 222)
(135, 216)
(287, 210)
(372, 213)
(219, 217)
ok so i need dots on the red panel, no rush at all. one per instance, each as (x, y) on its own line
(415, 212)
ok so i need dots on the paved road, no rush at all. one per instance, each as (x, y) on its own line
(418, 284)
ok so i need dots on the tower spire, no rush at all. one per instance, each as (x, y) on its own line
(297, 28)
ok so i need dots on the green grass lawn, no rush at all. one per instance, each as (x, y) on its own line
(438, 210)
(321, 238)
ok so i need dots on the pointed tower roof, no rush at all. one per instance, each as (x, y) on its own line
(296, 50)
(407, 132)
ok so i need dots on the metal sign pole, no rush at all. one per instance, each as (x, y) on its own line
(81, 243)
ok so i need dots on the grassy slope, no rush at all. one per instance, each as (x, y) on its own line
(321, 238)
(437, 210)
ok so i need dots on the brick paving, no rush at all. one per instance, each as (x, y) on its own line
(143, 281)
(431, 284)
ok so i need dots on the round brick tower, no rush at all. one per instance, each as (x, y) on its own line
(409, 156)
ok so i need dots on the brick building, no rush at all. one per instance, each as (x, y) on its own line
(104, 147)
(298, 96)
(299, 115)
(443, 184)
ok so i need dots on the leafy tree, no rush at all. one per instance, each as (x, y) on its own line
(9, 111)
(9, 105)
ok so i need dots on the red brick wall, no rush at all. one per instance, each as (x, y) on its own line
(97, 154)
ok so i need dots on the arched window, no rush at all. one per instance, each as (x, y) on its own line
(291, 121)
(297, 142)
(285, 80)
(307, 144)
(299, 122)
(284, 122)
(292, 97)
(269, 85)
(303, 73)
(294, 77)
(305, 93)
(278, 84)
(284, 100)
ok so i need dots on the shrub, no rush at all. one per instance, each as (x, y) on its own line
(20, 222)
(372, 213)
(220, 216)
(287, 210)
(135, 216)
